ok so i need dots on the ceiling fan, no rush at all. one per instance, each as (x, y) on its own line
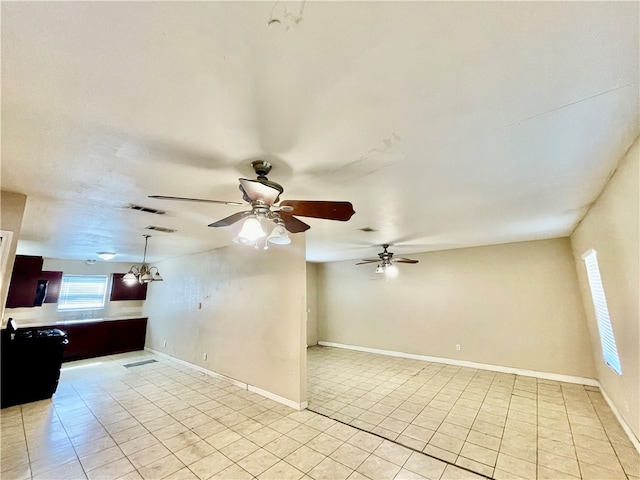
(262, 196)
(386, 262)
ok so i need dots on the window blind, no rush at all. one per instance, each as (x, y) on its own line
(82, 292)
(607, 340)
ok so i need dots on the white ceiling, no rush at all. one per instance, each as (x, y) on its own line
(445, 124)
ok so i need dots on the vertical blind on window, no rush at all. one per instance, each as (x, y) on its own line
(82, 292)
(607, 340)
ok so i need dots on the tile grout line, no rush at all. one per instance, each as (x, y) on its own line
(493, 469)
(396, 443)
(564, 404)
(606, 433)
(450, 378)
(81, 397)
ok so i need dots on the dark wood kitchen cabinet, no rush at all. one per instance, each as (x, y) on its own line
(54, 282)
(95, 338)
(24, 281)
(124, 291)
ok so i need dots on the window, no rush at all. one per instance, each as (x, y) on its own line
(82, 292)
(607, 340)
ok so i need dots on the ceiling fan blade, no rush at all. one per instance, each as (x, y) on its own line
(341, 211)
(403, 260)
(292, 224)
(187, 199)
(230, 220)
(368, 260)
(256, 190)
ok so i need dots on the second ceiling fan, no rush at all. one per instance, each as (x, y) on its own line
(386, 262)
(262, 196)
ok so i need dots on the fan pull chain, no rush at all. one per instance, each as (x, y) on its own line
(265, 245)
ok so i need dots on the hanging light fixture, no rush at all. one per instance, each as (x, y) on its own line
(279, 234)
(143, 273)
(388, 268)
(253, 231)
(391, 271)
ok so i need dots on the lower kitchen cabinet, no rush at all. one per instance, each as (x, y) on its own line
(95, 338)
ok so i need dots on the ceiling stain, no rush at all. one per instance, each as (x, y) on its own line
(371, 162)
(288, 14)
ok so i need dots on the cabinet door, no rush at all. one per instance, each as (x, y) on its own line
(24, 281)
(127, 335)
(86, 340)
(54, 280)
(124, 291)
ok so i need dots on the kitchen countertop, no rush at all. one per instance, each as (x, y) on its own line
(61, 323)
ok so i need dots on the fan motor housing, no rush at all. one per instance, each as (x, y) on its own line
(261, 167)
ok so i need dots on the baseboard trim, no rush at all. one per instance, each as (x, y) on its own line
(465, 363)
(233, 381)
(623, 424)
(277, 398)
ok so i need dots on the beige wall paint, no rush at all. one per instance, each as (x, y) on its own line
(48, 312)
(252, 320)
(515, 305)
(312, 304)
(11, 212)
(611, 227)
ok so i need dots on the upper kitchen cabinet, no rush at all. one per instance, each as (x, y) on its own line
(124, 291)
(25, 280)
(54, 280)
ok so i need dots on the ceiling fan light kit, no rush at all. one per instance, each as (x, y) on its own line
(386, 262)
(253, 231)
(262, 196)
(390, 270)
(142, 273)
(279, 235)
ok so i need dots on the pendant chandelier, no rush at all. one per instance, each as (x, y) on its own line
(142, 273)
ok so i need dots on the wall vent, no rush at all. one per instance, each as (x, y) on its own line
(140, 208)
(160, 229)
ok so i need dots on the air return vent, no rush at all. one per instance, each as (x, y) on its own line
(140, 208)
(160, 229)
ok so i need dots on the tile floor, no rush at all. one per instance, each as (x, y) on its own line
(164, 420)
(499, 425)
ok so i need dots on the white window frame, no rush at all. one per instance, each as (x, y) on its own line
(605, 329)
(90, 303)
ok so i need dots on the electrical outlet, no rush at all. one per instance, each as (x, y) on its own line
(204, 356)
(458, 347)
(164, 344)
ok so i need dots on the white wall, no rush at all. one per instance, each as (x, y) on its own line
(48, 312)
(515, 305)
(252, 320)
(611, 227)
(312, 304)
